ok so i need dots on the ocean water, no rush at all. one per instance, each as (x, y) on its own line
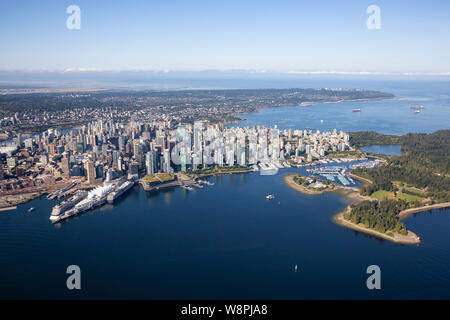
(222, 241)
(392, 116)
(227, 240)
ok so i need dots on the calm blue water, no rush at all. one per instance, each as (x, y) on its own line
(227, 240)
(389, 150)
(222, 241)
(387, 116)
(392, 116)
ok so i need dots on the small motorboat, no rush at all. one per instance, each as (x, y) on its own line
(31, 209)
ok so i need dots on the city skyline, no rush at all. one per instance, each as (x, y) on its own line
(160, 154)
(197, 151)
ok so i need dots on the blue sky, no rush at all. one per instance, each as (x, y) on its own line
(200, 35)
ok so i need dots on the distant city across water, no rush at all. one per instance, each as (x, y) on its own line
(227, 240)
(392, 116)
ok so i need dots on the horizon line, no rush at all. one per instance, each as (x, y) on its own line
(247, 71)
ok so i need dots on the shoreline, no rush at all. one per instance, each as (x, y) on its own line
(18, 199)
(349, 192)
(339, 219)
(353, 194)
(188, 180)
(407, 212)
(411, 238)
(288, 179)
(8, 208)
(196, 176)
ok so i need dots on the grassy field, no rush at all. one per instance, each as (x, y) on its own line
(414, 192)
(159, 177)
(217, 169)
(409, 197)
(165, 176)
(381, 194)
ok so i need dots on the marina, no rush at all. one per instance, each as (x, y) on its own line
(335, 170)
(81, 201)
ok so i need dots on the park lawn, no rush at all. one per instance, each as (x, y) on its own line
(159, 177)
(151, 178)
(415, 192)
(409, 197)
(165, 176)
(382, 194)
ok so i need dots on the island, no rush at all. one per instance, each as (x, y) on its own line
(308, 185)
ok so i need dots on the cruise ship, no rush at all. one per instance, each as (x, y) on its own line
(95, 198)
(268, 169)
(59, 209)
(124, 187)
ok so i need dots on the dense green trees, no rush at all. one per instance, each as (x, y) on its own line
(300, 180)
(367, 138)
(424, 163)
(379, 215)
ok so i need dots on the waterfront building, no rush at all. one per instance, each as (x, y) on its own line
(153, 147)
(150, 162)
(65, 164)
(90, 171)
